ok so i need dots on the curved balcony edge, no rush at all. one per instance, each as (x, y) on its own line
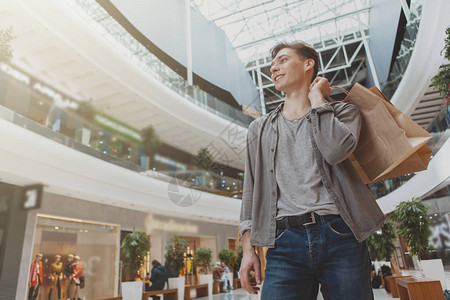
(27, 158)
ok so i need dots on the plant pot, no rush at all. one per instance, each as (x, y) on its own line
(177, 283)
(207, 278)
(132, 290)
(434, 269)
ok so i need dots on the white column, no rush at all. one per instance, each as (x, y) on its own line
(370, 59)
(188, 42)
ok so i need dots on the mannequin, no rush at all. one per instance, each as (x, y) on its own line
(56, 276)
(78, 277)
(67, 282)
(36, 274)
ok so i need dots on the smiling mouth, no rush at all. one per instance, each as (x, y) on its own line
(278, 77)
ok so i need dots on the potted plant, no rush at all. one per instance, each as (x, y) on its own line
(413, 225)
(150, 143)
(381, 247)
(135, 247)
(175, 262)
(381, 243)
(202, 259)
(442, 79)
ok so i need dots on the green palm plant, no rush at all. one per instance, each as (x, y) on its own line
(413, 225)
(442, 79)
(228, 257)
(380, 243)
(6, 51)
(135, 247)
(175, 256)
(202, 259)
(203, 159)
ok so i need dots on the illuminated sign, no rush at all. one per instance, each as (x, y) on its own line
(32, 196)
(170, 226)
(57, 97)
(117, 127)
(38, 86)
(15, 73)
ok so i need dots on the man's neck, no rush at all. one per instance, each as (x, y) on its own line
(297, 103)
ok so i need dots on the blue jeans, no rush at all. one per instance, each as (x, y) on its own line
(325, 253)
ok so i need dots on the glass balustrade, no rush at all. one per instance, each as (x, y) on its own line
(91, 137)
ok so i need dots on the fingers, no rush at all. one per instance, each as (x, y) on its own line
(257, 269)
(245, 282)
(318, 79)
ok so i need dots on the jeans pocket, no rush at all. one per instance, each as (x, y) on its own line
(340, 228)
(280, 233)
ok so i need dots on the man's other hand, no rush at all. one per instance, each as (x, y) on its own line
(250, 262)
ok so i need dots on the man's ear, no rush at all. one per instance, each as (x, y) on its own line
(309, 64)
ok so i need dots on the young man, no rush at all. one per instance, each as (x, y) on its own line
(302, 198)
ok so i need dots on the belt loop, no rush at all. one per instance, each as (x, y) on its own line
(323, 219)
(286, 221)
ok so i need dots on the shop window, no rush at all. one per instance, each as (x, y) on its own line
(96, 244)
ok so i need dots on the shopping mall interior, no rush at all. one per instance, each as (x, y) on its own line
(129, 119)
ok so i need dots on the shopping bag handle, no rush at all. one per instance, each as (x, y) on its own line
(338, 88)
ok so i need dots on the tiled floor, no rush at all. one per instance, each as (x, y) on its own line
(380, 294)
(240, 294)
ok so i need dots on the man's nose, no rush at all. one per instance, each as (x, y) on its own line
(273, 68)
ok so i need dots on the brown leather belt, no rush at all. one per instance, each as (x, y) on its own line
(302, 220)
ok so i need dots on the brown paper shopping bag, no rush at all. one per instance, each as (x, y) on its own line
(390, 143)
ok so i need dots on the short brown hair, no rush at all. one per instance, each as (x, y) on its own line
(303, 50)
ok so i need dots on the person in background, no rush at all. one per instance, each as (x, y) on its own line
(218, 276)
(158, 278)
(226, 270)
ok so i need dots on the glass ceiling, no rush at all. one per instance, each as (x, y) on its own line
(254, 26)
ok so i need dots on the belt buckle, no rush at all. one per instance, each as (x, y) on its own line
(313, 217)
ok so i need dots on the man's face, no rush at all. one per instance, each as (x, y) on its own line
(288, 70)
(38, 257)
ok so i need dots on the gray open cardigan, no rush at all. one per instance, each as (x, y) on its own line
(335, 131)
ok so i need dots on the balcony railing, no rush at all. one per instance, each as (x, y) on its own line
(99, 18)
(68, 128)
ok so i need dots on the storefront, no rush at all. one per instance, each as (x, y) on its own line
(95, 243)
(64, 225)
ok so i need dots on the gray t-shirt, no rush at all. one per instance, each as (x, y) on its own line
(300, 186)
